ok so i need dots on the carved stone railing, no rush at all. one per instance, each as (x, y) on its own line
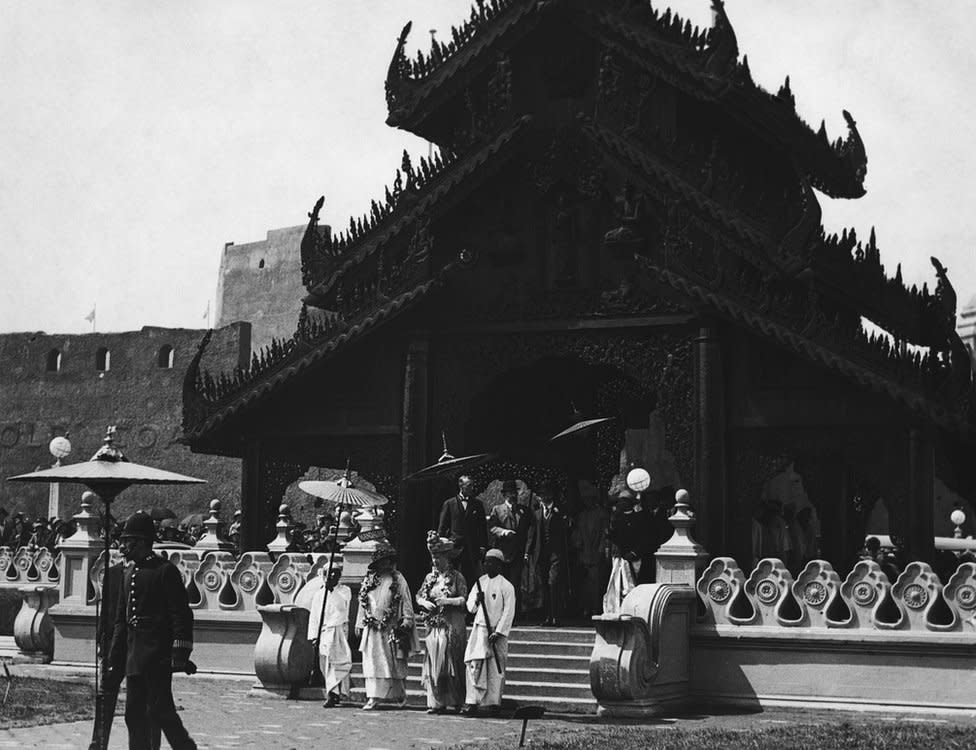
(29, 565)
(768, 638)
(865, 600)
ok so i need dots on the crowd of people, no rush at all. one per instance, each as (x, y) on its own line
(488, 569)
(20, 530)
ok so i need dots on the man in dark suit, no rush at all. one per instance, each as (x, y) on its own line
(463, 521)
(153, 638)
(551, 542)
(510, 525)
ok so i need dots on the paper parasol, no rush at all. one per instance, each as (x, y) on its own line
(580, 427)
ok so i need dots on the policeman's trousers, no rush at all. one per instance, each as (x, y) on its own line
(149, 700)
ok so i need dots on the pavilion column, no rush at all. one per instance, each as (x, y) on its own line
(253, 506)
(413, 513)
(710, 438)
(919, 530)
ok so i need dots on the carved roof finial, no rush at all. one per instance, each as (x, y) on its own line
(724, 45)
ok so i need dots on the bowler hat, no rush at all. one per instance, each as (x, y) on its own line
(509, 485)
(139, 525)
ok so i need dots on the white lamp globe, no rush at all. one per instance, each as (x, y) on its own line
(60, 447)
(638, 479)
(957, 517)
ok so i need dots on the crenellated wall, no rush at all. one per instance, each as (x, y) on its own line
(56, 384)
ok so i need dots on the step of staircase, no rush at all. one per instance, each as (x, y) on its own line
(546, 666)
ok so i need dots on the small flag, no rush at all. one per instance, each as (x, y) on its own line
(90, 317)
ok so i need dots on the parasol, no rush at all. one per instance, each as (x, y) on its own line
(342, 493)
(193, 519)
(580, 427)
(447, 465)
(161, 514)
(106, 474)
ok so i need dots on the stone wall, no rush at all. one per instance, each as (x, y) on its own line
(52, 384)
(261, 282)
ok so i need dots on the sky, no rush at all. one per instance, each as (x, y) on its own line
(138, 138)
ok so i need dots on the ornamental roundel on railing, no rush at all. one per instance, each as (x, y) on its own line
(915, 597)
(864, 593)
(249, 581)
(767, 591)
(719, 591)
(814, 593)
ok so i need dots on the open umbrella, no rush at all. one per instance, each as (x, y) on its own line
(580, 427)
(342, 493)
(161, 514)
(447, 465)
(193, 519)
(106, 474)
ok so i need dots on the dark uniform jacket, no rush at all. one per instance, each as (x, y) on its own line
(153, 618)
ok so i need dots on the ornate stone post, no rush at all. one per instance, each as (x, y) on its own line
(283, 654)
(280, 543)
(210, 541)
(710, 438)
(78, 554)
(680, 559)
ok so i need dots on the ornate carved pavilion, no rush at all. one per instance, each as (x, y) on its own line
(619, 218)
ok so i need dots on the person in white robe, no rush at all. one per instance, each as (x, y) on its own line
(335, 655)
(487, 651)
(385, 623)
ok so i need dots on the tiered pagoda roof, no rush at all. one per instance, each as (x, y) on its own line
(777, 272)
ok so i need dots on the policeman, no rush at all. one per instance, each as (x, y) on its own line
(153, 638)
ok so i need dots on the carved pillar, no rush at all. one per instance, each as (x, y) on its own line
(252, 497)
(710, 438)
(414, 512)
(920, 505)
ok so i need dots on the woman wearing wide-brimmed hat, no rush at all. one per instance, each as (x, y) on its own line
(386, 623)
(442, 597)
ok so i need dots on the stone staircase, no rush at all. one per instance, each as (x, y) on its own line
(546, 666)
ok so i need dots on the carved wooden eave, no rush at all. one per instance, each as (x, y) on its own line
(786, 255)
(702, 64)
(855, 363)
(202, 418)
(433, 198)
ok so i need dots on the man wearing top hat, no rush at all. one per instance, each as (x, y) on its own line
(463, 522)
(550, 545)
(153, 638)
(510, 525)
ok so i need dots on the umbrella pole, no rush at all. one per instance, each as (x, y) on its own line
(102, 721)
(317, 678)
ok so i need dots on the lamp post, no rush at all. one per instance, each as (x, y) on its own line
(60, 447)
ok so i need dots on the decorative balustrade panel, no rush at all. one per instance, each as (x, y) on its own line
(770, 597)
(29, 565)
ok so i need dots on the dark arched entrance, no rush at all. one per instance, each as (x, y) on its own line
(516, 414)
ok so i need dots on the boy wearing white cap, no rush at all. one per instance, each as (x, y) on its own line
(487, 651)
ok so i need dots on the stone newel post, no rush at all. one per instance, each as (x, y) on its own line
(78, 554)
(680, 559)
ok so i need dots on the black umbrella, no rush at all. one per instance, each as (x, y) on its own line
(447, 465)
(106, 474)
(580, 427)
(161, 514)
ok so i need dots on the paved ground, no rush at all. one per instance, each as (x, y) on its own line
(223, 714)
